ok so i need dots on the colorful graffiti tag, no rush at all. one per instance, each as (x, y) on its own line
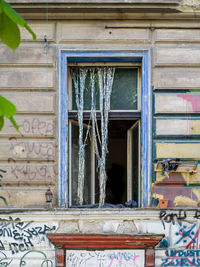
(181, 258)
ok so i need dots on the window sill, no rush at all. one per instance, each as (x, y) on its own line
(106, 214)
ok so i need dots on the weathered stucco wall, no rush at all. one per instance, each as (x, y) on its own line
(28, 159)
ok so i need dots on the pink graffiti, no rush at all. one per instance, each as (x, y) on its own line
(36, 126)
(33, 148)
(32, 172)
(193, 99)
(120, 257)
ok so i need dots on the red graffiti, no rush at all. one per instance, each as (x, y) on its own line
(193, 99)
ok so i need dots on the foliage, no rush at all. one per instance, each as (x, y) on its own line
(9, 21)
(7, 109)
(10, 35)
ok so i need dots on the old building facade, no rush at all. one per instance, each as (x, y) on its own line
(122, 71)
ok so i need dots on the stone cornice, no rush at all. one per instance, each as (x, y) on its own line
(95, 6)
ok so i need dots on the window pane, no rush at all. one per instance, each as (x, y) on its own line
(124, 91)
(135, 158)
(87, 93)
(87, 195)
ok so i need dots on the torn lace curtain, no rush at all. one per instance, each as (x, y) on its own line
(105, 77)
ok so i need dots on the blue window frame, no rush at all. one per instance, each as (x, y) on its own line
(144, 58)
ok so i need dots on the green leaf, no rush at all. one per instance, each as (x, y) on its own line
(12, 120)
(1, 7)
(7, 108)
(16, 18)
(1, 122)
(9, 32)
(12, 14)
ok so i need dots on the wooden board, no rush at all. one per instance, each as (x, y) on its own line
(176, 78)
(27, 78)
(33, 102)
(178, 150)
(177, 127)
(177, 103)
(177, 56)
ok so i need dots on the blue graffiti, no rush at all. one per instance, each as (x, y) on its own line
(186, 232)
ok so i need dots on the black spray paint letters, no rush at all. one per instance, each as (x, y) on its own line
(19, 236)
(172, 217)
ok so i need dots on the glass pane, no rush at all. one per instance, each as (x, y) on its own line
(135, 158)
(87, 93)
(87, 195)
(124, 91)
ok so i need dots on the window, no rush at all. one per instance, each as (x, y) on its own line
(91, 89)
(119, 95)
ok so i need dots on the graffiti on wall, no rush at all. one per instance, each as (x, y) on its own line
(22, 242)
(40, 260)
(181, 258)
(38, 126)
(107, 258)
(181, 242)
(18, 236)
(29, 172)
(193, 100)
(181, 195)
(32, 149)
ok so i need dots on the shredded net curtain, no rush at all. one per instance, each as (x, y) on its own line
(100, 81)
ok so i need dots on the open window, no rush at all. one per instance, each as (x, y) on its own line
(119, 136)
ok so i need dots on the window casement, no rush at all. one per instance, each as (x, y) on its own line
(85, 133)
(123, 138)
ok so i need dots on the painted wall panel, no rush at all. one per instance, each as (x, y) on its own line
(181, 56)
(178, 35)
(27, 150)
(84, 31)
(27, 55)
(177, 127)
(41, 28)
(178, 150)
(175, 103)
(33, 102)
(27, 79)
(19, 174)
(183, 175)
(176, 78)
(30, 126)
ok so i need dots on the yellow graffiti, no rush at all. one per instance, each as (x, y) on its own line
(184, 201)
